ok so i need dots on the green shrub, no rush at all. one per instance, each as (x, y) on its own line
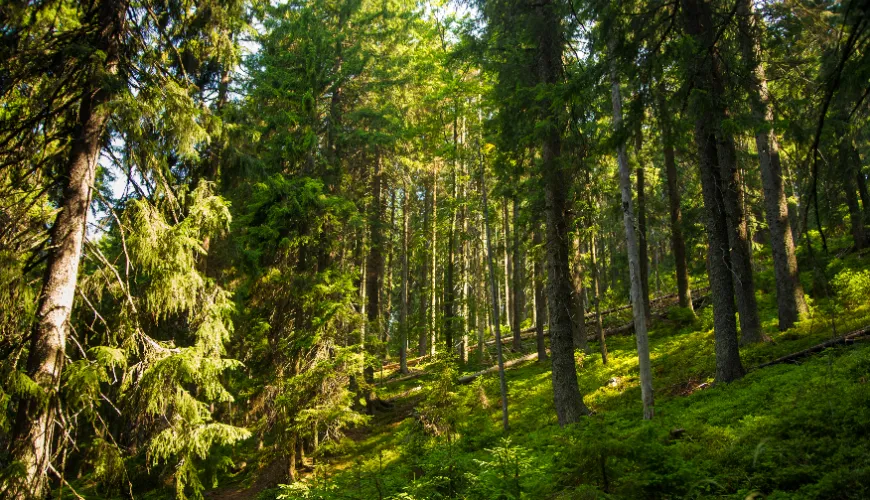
(852, 287)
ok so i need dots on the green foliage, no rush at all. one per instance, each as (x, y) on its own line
(852, 287)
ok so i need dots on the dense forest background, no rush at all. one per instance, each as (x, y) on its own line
(499, 249)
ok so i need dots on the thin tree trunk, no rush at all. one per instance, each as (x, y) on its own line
(643, 244)
(374, 271)
(403, 312)
(540, 301)
(423, 337)
(388, 310)
(33, 434)
(579, 310)
(599, 328)
(789, 291)
(433, 307)
(698, 23)
(678, 244)
(638, 310)
(566, 391)
(506, 238)
(516, 272)
(496, 325)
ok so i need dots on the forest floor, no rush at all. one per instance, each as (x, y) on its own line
(797, 429)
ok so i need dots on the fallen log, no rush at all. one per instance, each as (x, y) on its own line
(816, 348)
(468, 378)
(409, 376)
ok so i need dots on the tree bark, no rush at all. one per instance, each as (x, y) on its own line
(789, 291)
(34, 429)
(374, 270)
(638, 310)
(678, 244)
(566, 392)
(423, 338)
(698, 23)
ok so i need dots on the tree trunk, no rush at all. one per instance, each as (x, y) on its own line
(33, 434)
(599, 328)
(678, 244)
(516, 272)
(848, 163)
(433, 307)
(698, 23)
(423, 338)
(496, 325)
(374, 271)
(643, 246)
(506, 235)
(566, 392)
(638, 311)
(579, 303)
(789, 292)
(403, 312)
(540, 301)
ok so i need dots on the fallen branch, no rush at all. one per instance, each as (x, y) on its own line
(816, 348)
(468, 378)
(409, 376)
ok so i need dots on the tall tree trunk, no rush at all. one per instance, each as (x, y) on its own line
(789, 292)
(678, 244)
(424, 334)
(433, 307)
(465, 275)
(698, 23)
(33, 434)
(403, 312)
(732, 194)
(862, 191)
(566, 391)
(496, 325)
(516, 277)
(506, 246)
(599, 328)
(449, 285)
(638, 311)
(540, 300)
(374, 270)
(388, 310)
(643, 246)
(848, 166)
(579, 300)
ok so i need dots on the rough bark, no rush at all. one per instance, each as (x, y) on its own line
(698, 23)
(434, 247)
(678, 244)
(568, 400)
(638, 310)
(33, 434)
(789, 292)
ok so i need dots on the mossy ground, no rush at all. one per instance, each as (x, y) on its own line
(795, 430)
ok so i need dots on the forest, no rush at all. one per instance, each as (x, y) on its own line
(434, 249)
